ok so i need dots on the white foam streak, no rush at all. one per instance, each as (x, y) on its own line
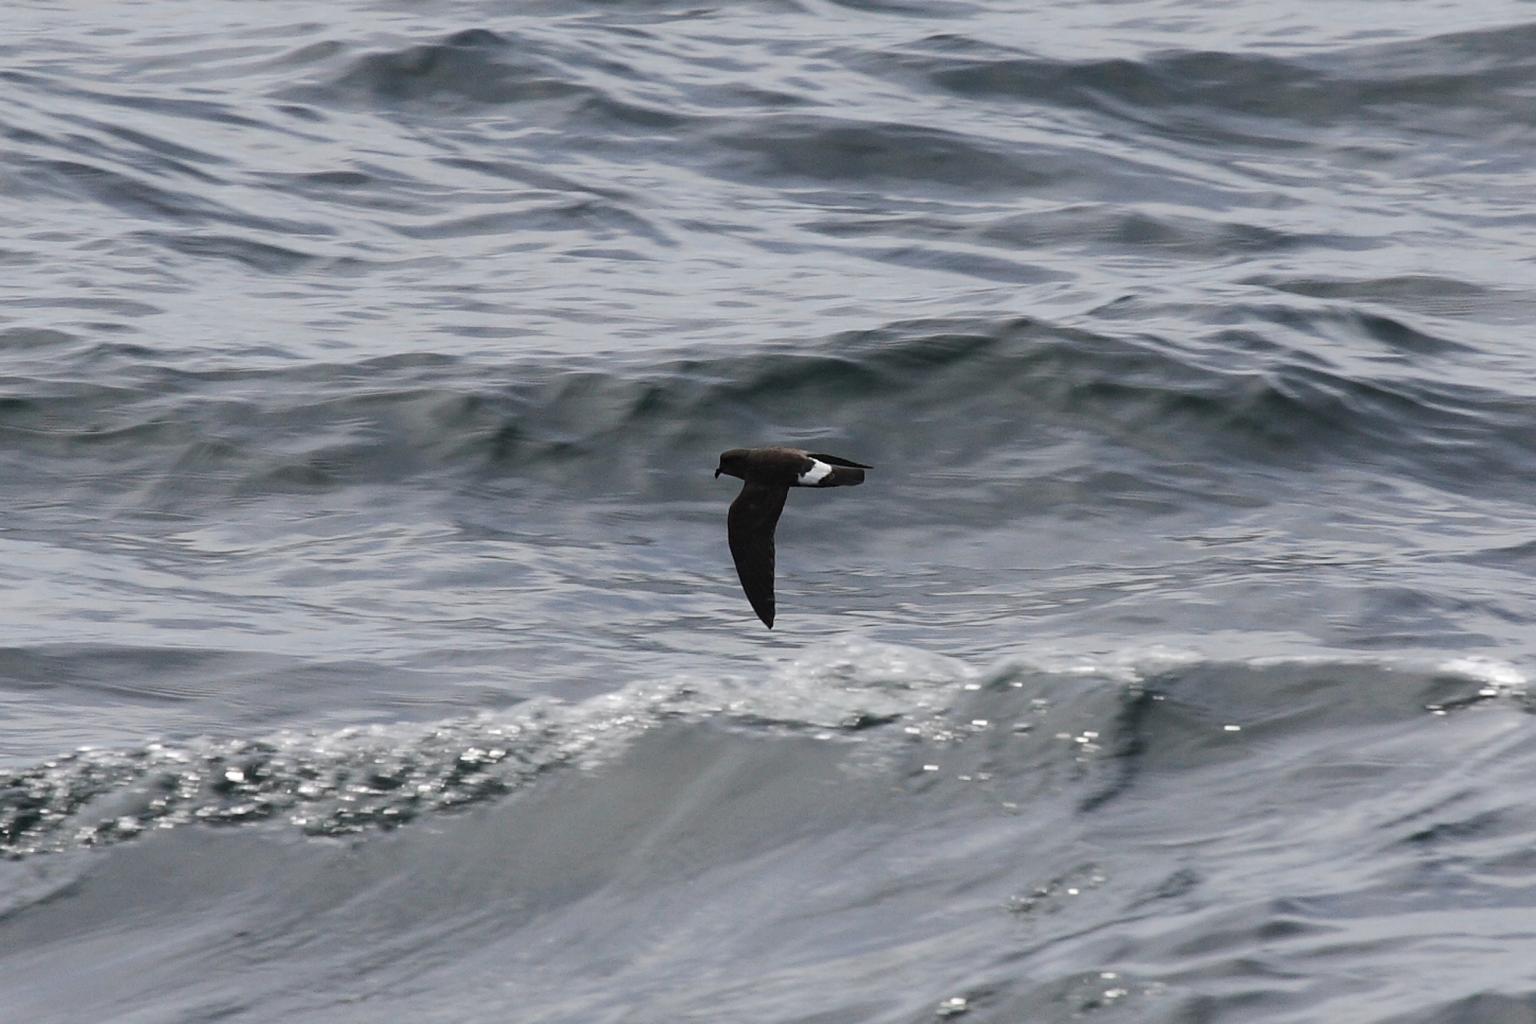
(1487, 670)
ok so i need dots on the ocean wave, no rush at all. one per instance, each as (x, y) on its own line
(368, 778)
(1478, 73)
(1137, 716)
(1236, 401)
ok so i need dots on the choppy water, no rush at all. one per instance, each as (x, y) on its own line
(371, 646)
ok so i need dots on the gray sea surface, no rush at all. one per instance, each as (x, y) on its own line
(370, 648)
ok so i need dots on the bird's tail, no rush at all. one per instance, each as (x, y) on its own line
(845, 473)
(842, 476)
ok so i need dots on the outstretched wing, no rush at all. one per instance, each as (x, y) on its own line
(751, 521)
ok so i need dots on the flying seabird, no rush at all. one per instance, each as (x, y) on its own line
(769, 474)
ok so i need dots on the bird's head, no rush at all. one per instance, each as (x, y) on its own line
(733, 463)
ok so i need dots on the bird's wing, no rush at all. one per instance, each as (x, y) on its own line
(753, 515)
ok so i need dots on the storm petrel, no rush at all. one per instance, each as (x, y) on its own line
(769, 474)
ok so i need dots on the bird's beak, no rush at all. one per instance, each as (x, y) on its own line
(717, 474)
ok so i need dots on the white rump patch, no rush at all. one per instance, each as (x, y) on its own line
(816, 474)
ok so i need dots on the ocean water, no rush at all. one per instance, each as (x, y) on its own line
(371, 647)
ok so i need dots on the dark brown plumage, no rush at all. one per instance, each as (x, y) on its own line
(769, 473)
